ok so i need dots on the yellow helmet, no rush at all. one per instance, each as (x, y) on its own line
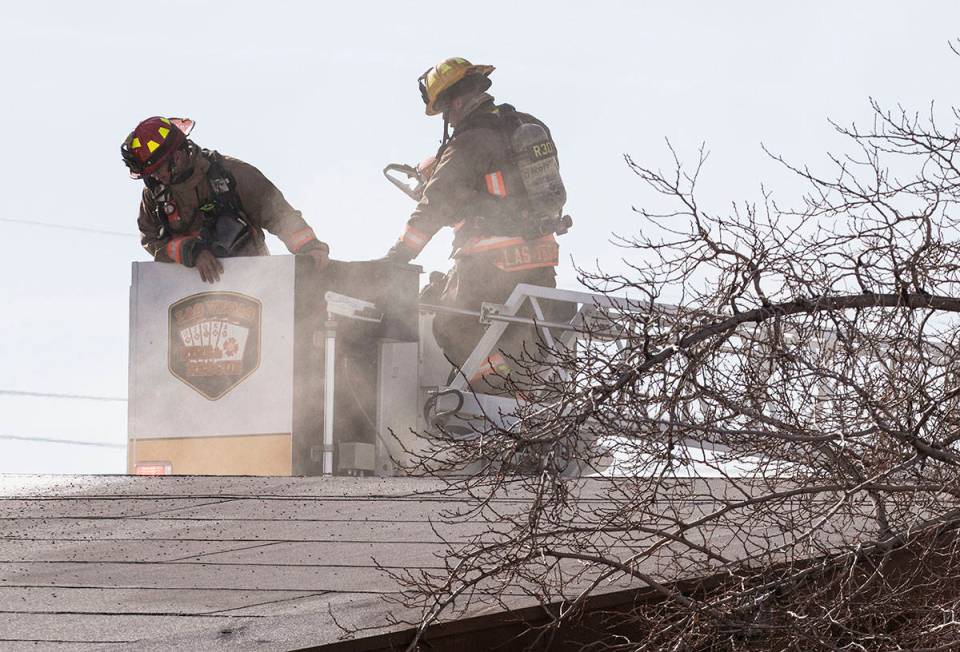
(443, 76)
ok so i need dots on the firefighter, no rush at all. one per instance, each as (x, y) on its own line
(199, 206)
(497, 184)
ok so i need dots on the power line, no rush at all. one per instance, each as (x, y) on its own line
(68, 227)
(51, 440)
(83, 397)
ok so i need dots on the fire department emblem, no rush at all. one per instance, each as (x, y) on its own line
(214, 341)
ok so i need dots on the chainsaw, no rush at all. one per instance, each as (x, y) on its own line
(409, 179)
(414, 179)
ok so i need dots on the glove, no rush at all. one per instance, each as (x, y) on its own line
(319, 251)
(432, 292)
(209, 266)
(321, 258)
(191, 249)
(398, 254)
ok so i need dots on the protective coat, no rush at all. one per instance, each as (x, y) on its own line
(477, 190)
(263, 204)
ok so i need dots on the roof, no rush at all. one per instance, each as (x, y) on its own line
(238, 562)
(95, 560)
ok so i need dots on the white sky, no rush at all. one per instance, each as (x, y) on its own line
(320, 96)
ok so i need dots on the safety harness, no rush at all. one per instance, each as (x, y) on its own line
(517, 239)
(225, 228)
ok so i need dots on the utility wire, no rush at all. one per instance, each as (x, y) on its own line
(68, 227)
(84, 397)
(50, 440)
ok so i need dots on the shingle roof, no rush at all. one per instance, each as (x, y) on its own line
(249, 561)
(195, 562)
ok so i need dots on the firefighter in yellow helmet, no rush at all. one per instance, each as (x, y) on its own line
(199, 206)
(497, 184)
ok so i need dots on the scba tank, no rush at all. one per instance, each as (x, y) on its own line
(536, 159)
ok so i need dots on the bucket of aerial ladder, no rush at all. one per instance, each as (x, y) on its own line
(276, 369)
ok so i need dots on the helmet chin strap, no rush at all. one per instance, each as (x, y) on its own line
(445, 139)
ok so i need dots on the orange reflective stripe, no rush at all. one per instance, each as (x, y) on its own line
(526, 267)
(175, 248)
(413, 239)
(477, 245)
(495, 185)
(495, 364)
(299, 238)
(533, 254)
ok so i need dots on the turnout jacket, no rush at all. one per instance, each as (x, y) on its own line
(476, 189)
(263, 206)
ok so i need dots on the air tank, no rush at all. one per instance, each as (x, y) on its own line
(536, 159)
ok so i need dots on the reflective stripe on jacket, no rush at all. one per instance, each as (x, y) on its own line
(475, 178)
(263, 204)
(514, 254)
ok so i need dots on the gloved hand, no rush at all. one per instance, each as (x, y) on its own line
(195, 252)
(319, 251)
(432, 292)
(398, 254)
(321, 258)
(209, 266)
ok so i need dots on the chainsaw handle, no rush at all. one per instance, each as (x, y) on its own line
(411, 173)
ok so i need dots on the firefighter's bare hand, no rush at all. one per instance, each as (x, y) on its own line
(209, 266)
(321, 257)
